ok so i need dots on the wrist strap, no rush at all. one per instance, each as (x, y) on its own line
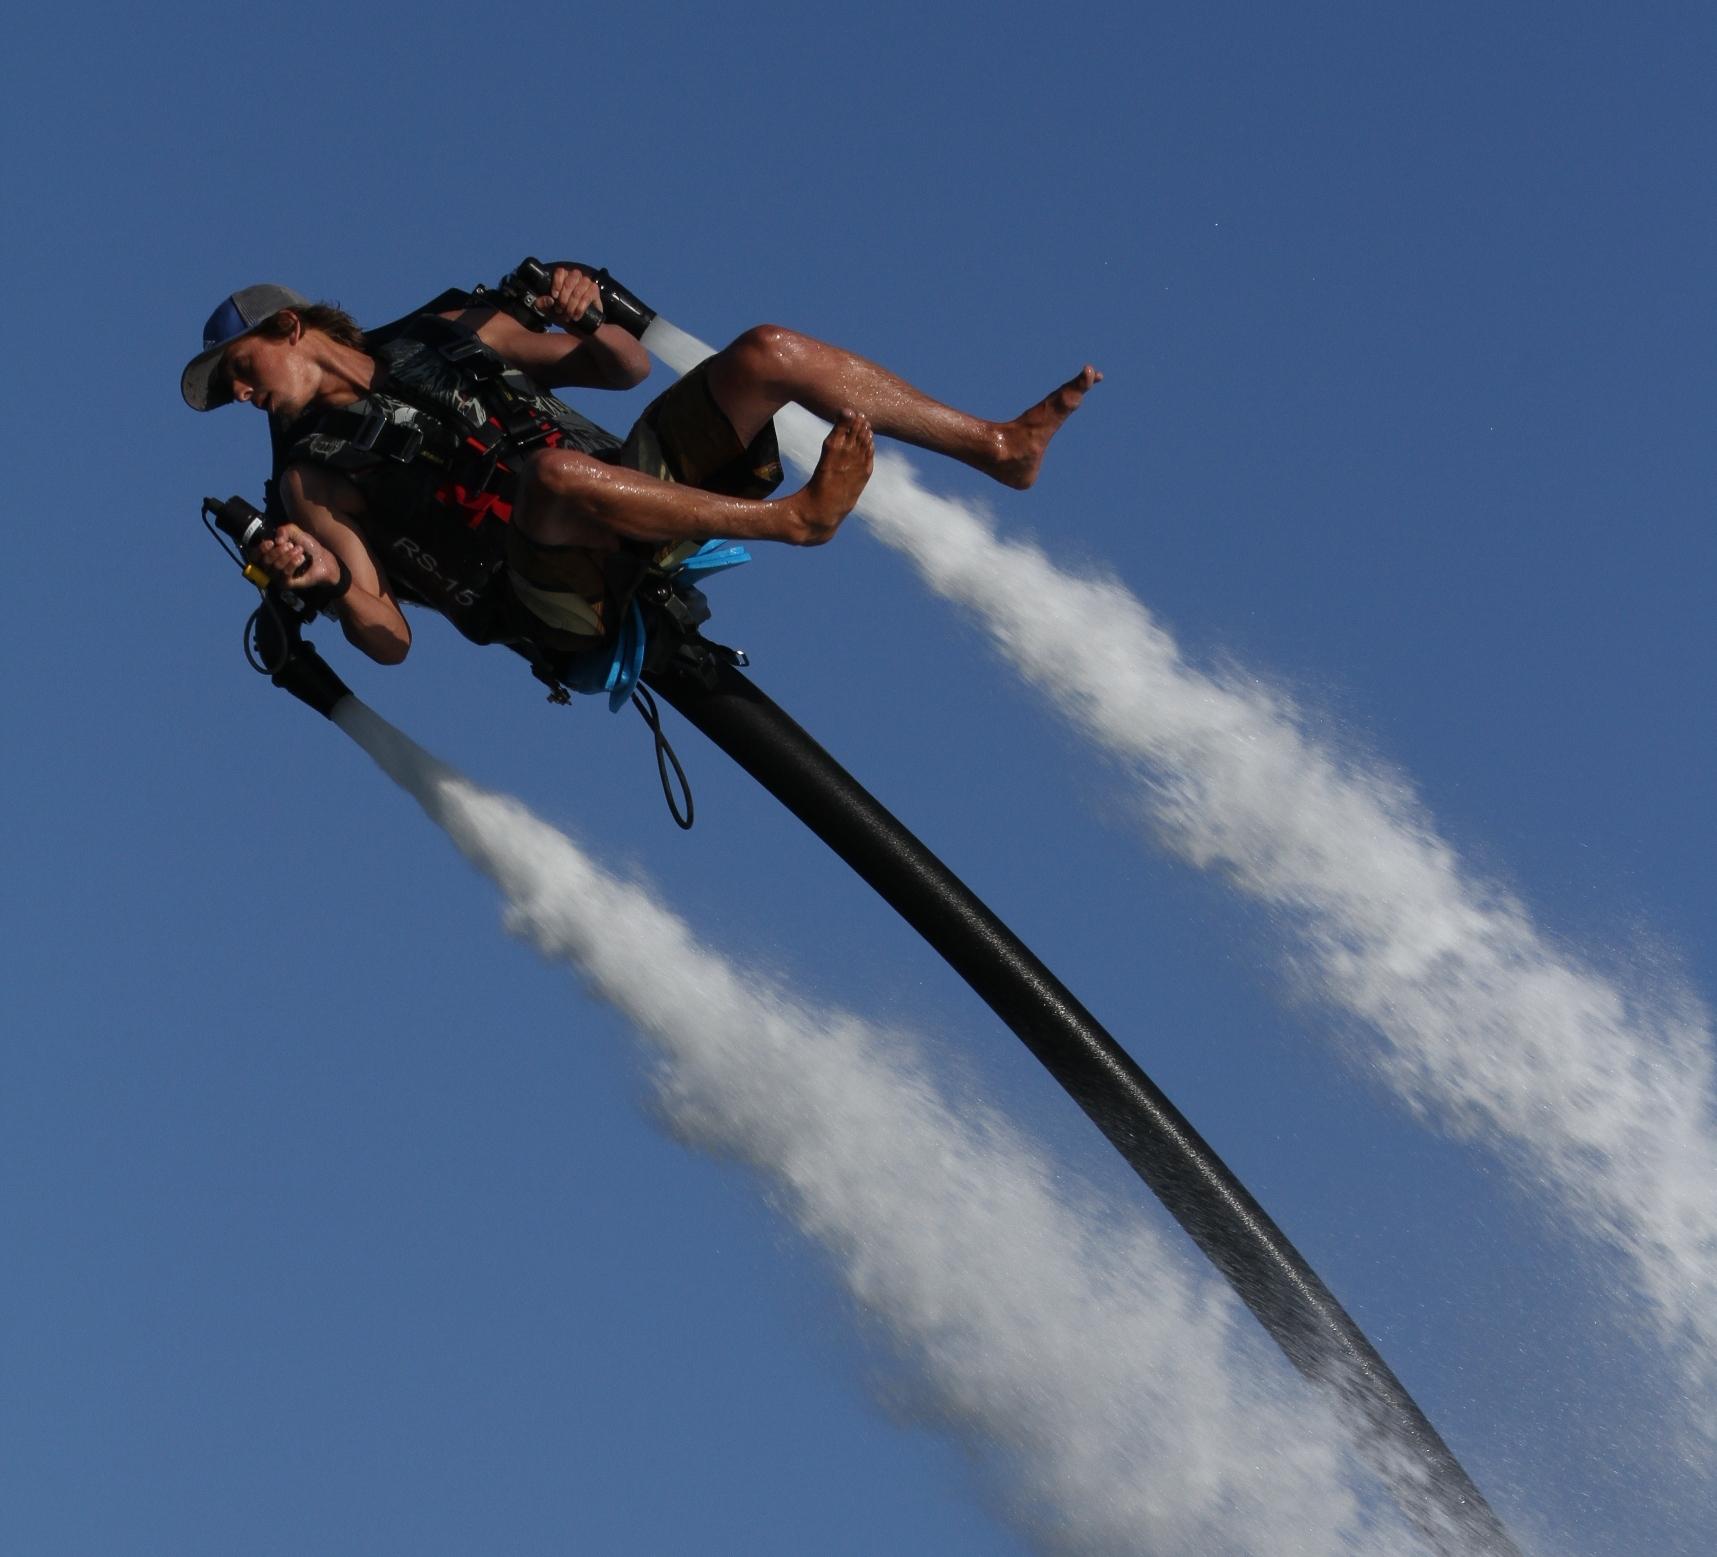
(321, 596)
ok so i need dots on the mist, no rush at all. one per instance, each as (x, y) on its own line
(1597, 1098)
(1116, 1395)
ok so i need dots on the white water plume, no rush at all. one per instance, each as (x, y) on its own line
(1127, 1404)
(1584, 1088)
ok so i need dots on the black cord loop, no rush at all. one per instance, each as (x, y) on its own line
(665, 757)
(253, 638)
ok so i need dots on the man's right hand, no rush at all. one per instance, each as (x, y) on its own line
(573, 301)
(286, 552)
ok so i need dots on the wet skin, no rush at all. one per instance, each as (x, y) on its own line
(573, 499)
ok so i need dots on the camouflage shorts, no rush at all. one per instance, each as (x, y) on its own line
(683, 436)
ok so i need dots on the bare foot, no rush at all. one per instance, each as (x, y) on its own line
(1020, 444)
(828, 497)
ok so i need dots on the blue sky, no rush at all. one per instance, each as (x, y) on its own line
(337, 1221)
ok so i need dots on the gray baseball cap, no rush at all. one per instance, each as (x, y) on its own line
(238, 315)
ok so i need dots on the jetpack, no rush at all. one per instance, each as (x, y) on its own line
(703, 681)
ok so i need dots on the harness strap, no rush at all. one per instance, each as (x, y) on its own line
(371, 432)
(626, 659)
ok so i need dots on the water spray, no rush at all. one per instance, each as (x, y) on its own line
(1317, 1335)
(702, 681)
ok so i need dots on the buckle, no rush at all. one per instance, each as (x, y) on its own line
(369, 429)
(460, 352)
(519, 425)
(485, 473)
(378, 433)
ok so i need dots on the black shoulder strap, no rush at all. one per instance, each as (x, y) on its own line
(283, 437)
(458, 299)
(443, 303)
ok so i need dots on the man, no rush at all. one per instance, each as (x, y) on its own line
(434, 456)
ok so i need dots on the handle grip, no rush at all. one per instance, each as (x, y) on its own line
(531, 280)
(245, 526)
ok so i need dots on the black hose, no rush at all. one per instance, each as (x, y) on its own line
(1271, 1276)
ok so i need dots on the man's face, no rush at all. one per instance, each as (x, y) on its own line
(276, 376)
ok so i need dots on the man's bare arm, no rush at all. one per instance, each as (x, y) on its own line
(324, 509)
(609, 359)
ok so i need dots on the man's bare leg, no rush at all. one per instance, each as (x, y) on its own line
(768, 366)
(571, 499)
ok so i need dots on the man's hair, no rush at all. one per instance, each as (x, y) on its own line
(325, 317)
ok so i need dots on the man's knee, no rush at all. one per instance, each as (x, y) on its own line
(564, 474)
(765, 354)
(562, 499)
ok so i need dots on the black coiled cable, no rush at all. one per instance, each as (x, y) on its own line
(665, 758)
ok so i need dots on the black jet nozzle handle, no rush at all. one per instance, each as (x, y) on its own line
(278, 649)
(236, 519)
(531, 280)
(622, 305)
(244, 525)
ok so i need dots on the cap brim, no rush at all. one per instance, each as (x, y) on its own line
(199, 383)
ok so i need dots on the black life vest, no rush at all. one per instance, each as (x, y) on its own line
(436, 447)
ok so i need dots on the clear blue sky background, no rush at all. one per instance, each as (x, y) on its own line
(330, 1220)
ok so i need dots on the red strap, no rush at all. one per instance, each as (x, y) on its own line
(475, 506)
